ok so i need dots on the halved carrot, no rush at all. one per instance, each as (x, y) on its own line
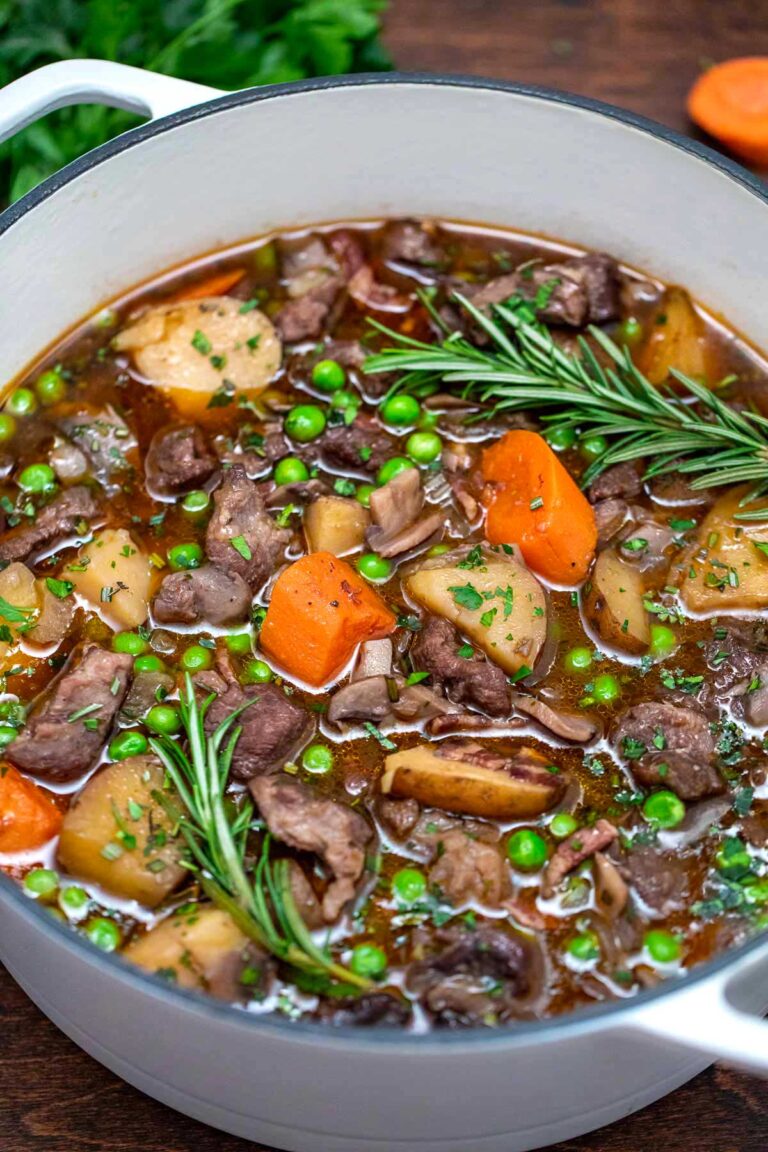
(319, 611)
(730, 101)
(28, 817)
(536, 504)
(216, 285)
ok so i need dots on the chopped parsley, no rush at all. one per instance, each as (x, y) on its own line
(241, 546)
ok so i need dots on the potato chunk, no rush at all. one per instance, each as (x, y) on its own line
(194, 348)
(55, 617)
(727, 568)
(492, 598)
(333, 524)
(613, 604)
(17, 588)
(677, 340)
(116, 578)
(117, 835)
(461, 776)
(200, 947)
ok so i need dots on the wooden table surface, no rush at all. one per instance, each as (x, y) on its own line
(642, 54)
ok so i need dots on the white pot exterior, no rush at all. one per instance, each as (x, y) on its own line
(214, 177)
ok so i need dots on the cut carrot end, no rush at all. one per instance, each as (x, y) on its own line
(730, 102)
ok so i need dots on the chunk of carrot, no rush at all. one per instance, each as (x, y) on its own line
(216, 285)
(319, 611)
(534, 502)
(28, 816)
(730, 101)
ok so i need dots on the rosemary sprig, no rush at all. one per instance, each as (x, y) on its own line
(216, 833)
(695, 433)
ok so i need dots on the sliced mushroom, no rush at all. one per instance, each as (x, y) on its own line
(577, 729)
(395, 510)
(611, 893)
(373, 659)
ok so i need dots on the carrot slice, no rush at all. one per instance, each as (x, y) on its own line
(28, 817)
(319, 611)
(536, 504)
(216, 285)
(730, 101)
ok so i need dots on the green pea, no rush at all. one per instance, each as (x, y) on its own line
(305, 422)
(129, 642)
(584, 947)
(663, 641)
(7, 427)
(368, 960)
(578, 659)
(196, 658)
(41, 882)
(265, 259)
(527, 850)
(344, 399)
(22, 402)
(37, 478)
(195, 502)
(427, 421)
(630, 331)
(185, 556)
(392, 467)
(256, 672)
(438, 550)
(239, 643)
(104, 933)
(373, 567)
(126, 744)
(317, 759)
(400, 410)
(291, 470)
(662, 947)
(328, 376)
(51, 387)
(664, 809)
(163, 719)
(424, 447)
(409, 886)
(363, 494)
(7, 735)
(732, 859)
(592, 447)
(560, 438)
(74, 901)
(148, 663)
(563, 825)
(606, 688)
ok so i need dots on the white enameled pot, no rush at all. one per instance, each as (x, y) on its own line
(212, 170)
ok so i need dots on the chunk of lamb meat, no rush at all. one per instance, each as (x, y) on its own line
(357, 447)
(754, 828)
(586, 292)
(307, 822)
(242, 538)
(610, 518)
(53, 746)
(178, 460)
(395, 510)
(313, 284)
(273, 726)
(672, 747)
(660, 879)
(146, 690)
(53, 524)
(410, 242)
(573, 851)
(397, 817)
(621, 481)
(372, 1010)
(202, 594)
(475, 681)
(469, 871)
(478, 976)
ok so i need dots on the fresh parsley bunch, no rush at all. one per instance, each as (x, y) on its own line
(228, 44)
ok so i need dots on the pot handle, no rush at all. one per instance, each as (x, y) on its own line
(715, 1016)
(94, 82)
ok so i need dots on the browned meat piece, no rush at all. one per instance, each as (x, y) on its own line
(357, 447)
(372, 1010)
(147, 689)
(395, 510)
(397, 817)
(622, 480)
(274, 727)
(754, 828)
(66, 514)
(599, 276)
(178, 460)
(242, 538)
(474, 681)
(348, 250)
(670, 746)
(275, 446)
(575, 292)
(660, 879)
(304, 898)
(105, 439)
(409, 242)
(303, 319)
(478, 976)
(297, 257)
(207, 593)
(566, 725)
(468, 871)
(67, 731)
(575, 850)
(610, 518)
(312, 823)
(364, 288)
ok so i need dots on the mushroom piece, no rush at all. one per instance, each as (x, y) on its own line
(577, 729)
(611, 893)
(395, 510)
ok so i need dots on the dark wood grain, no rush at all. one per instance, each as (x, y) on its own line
(643, 54)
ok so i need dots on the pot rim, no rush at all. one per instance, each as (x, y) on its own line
(580, 1021)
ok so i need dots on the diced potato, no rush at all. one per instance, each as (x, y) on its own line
(727, 568)
(116, 834)
(423, 774)
(55, 617)
(116, 578)
(677, 339)
(497, 603)
(333, 524)
(613, 604)
(199, 946)
(17, 588)
(194, 348)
